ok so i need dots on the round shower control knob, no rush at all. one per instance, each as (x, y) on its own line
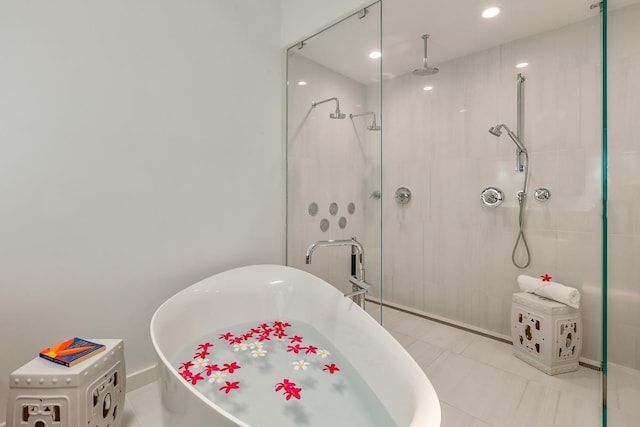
(542, 194)
(403, 195)
(492, 197)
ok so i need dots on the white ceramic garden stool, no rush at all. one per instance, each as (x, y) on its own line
(546, 334)
(89, 394)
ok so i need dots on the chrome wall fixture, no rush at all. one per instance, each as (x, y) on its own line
(403, 195)
(492, 197)
(520, 122)
(374, 126)
(542, 194)
(522, 160)
(337, 114)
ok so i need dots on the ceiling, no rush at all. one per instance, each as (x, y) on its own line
(456, 29)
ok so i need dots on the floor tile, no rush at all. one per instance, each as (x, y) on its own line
(424, 353)
(482, 391)
(404, 340)
(447, 337)
(129, 418)
(454, 417)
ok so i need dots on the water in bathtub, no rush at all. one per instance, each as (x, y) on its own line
(281, 374)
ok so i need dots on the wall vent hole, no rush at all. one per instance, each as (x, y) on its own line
(538, 347)
(537, 325)
(520, 318)
(527, 332)
(521, 340)
(40, 424)
(569, 339)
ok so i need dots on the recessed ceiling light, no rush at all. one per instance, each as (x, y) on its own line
(302, 83)
(522, 65)
(490, 12)
(375, 55)
(427, 88)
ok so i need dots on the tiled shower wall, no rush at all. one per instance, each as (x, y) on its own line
(445, 253)
(330, 161)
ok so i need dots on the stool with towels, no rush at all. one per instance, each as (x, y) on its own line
(546, 324)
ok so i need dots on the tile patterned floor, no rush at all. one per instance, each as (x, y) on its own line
(479, 383)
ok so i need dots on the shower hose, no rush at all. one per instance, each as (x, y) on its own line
(522, 200)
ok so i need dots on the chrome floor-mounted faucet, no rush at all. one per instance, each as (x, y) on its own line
(358, 286)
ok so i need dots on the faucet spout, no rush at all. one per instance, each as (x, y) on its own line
(357, 278)
(356, 249)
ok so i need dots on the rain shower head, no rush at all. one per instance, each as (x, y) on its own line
(425, 70)
(374, 126)
(337, 114)
(497, 131)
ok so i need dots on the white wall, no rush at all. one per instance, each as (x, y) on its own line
(140, 151)
(303, 18)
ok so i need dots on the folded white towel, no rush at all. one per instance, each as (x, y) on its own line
(552, 290)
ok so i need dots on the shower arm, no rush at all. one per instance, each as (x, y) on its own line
(351, 116)
(374, 124)
(337, 114)
(314, 103)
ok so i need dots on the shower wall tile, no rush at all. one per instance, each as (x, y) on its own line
(326, 160)
(625, 89)
(438, 142)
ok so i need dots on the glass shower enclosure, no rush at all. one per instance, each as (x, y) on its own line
(421, 172)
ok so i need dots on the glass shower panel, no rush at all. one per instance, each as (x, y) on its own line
(446, 256)
(334, 149)
(623, 212)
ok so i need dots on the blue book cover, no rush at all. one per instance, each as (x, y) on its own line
(71, 351)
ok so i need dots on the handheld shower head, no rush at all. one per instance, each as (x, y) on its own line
(337, 114)
(497, 131)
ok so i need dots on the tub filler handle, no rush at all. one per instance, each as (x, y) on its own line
(359, 288)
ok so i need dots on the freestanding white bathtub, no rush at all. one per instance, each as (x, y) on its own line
(255, 293)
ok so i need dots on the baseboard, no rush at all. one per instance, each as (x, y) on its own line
(583, 361)
(140, 378)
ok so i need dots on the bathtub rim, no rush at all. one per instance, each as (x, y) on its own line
(425, 407)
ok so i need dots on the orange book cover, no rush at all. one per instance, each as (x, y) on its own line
(71, 351)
